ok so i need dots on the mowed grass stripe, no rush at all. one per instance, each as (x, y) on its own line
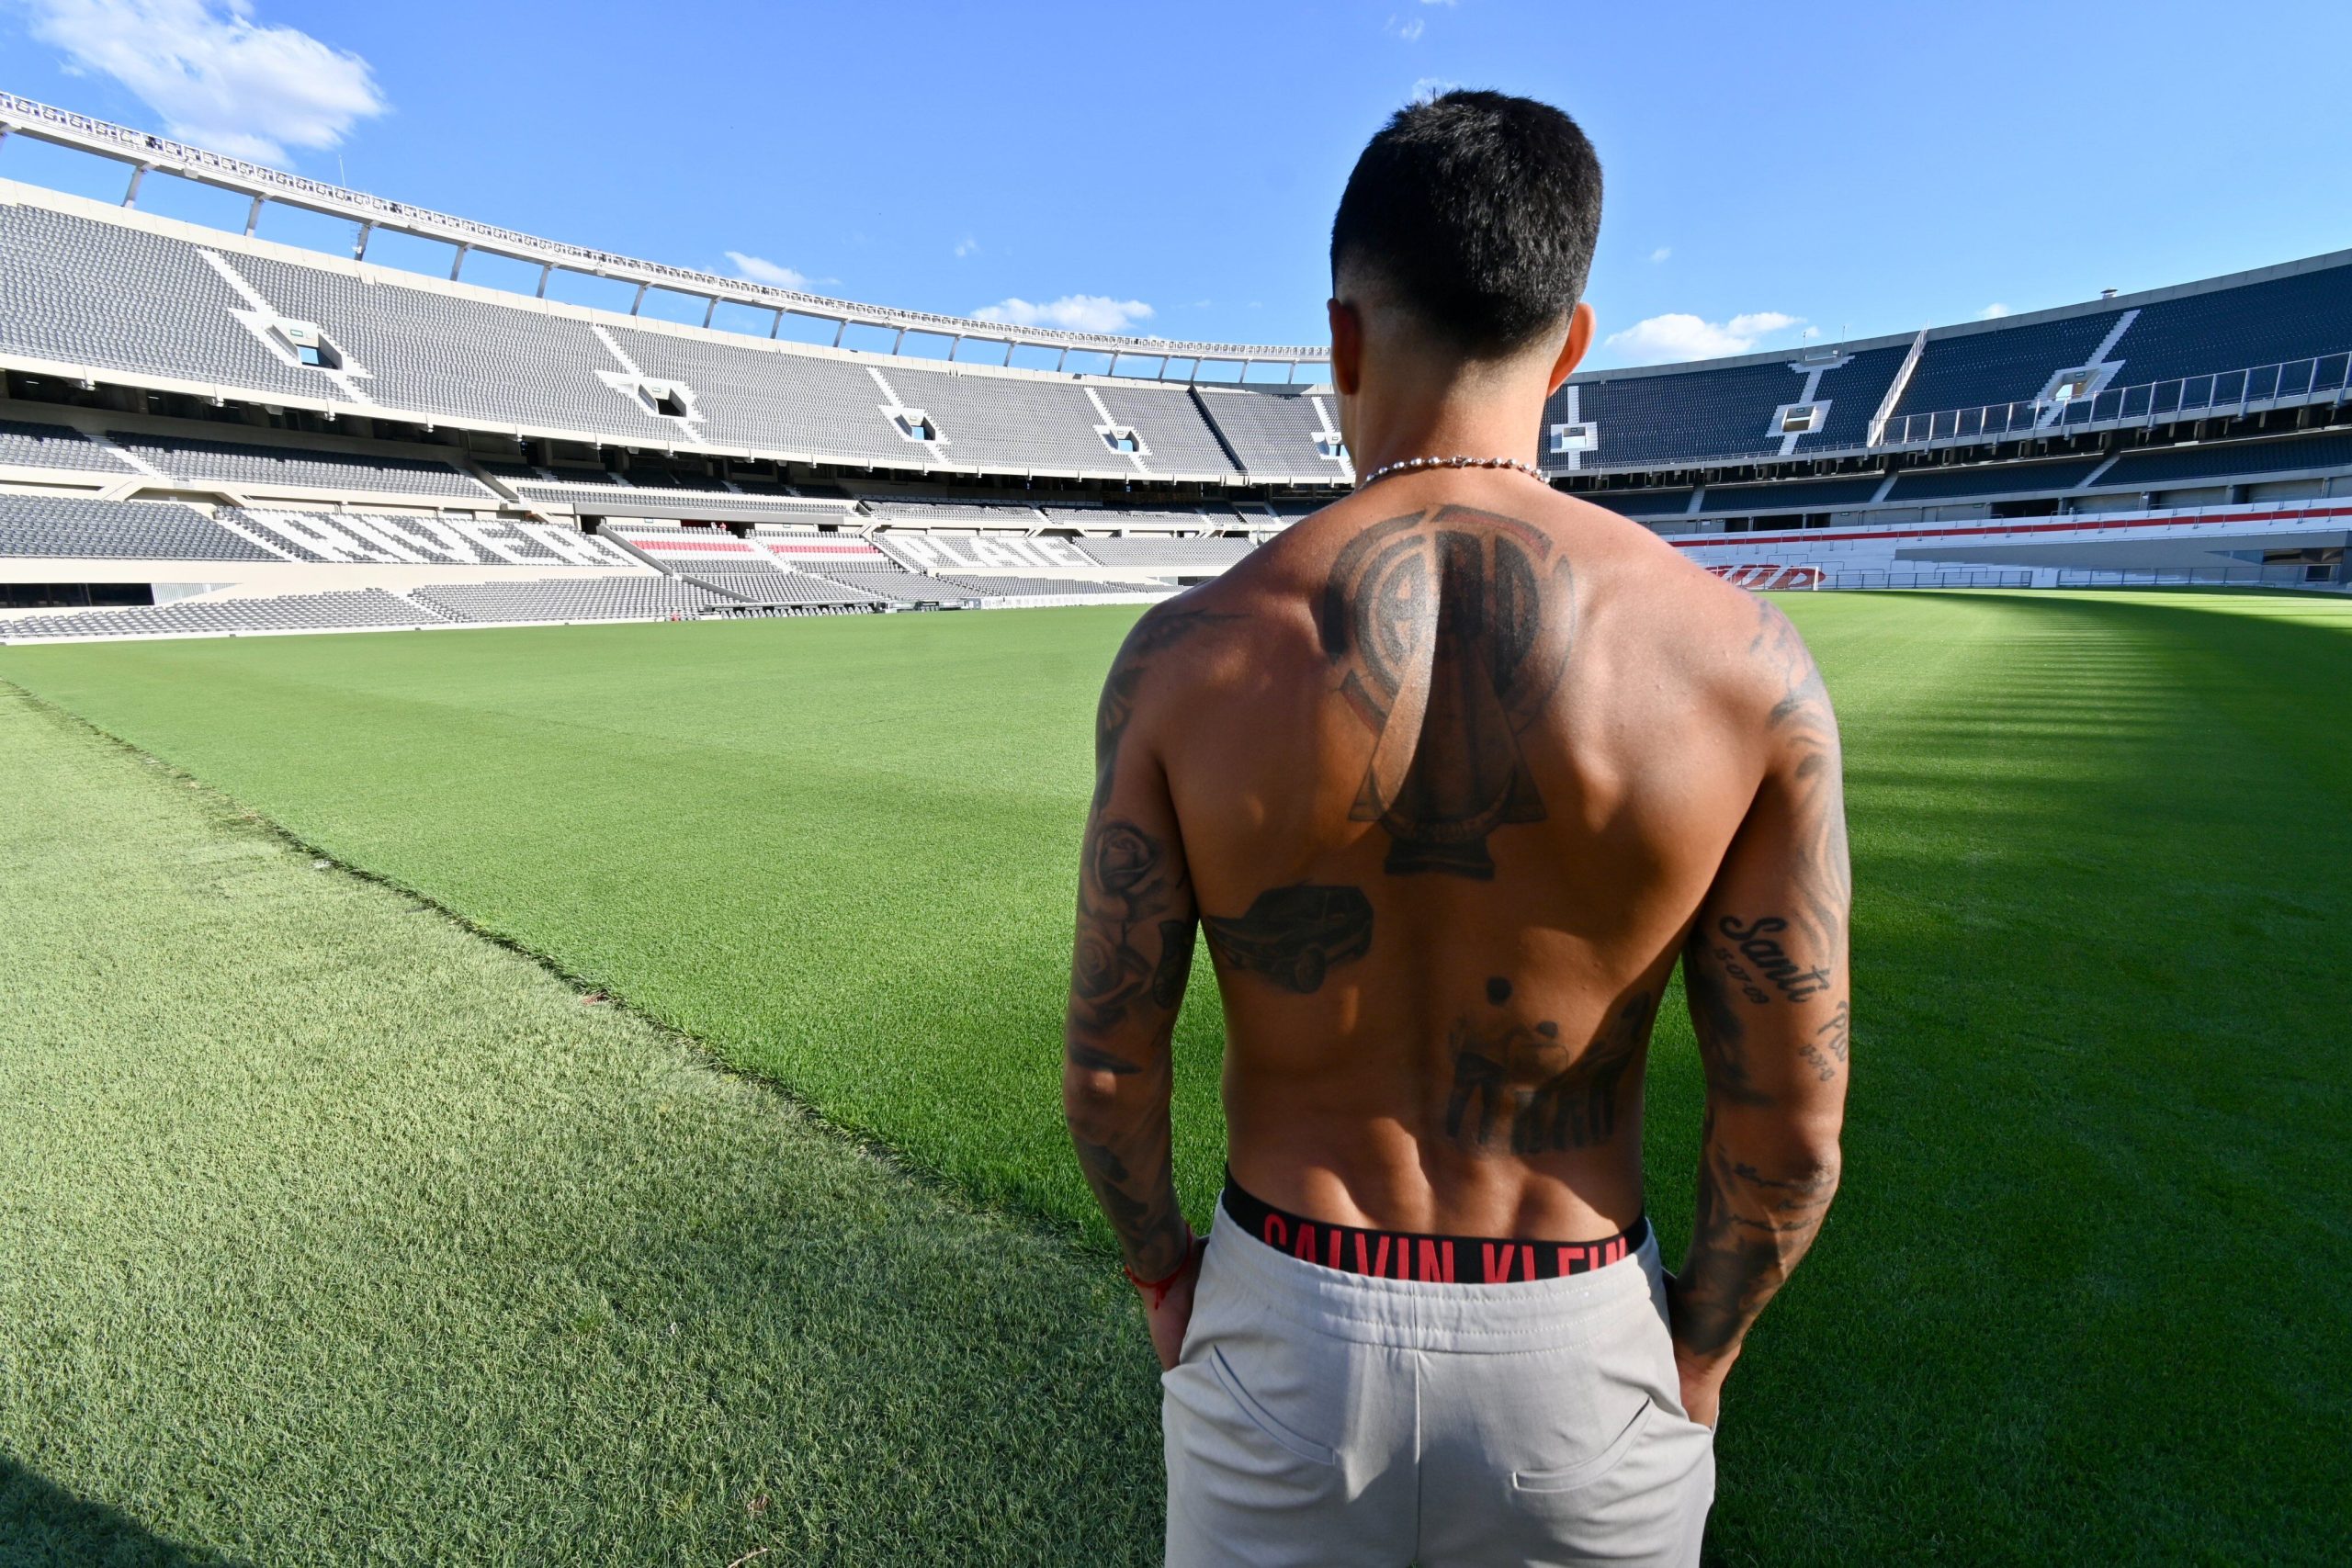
(334, 1233)
(2100, 1056)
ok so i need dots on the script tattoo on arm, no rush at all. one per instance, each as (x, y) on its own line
(1765, 971)
(1292, 937)
(1522, 1090)
(1130, 960)
(1448, 631)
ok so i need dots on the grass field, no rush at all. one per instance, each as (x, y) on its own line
(2082, 1300)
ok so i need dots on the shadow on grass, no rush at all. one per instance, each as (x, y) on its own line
(42, 1524)
(2063, 1310)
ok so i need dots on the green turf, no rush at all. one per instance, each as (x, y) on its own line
(330, 1233)
(2083, 1295)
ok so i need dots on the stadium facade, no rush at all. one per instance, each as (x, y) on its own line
(205, 432)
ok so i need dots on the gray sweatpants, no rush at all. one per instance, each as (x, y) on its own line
(1322, 1417)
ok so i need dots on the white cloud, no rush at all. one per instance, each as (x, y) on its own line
(1660, 254)
(1992, 312)
(1810, 334)
(218, 78)
(1410, 30)
(1077, 313)
(966, 246)
(1679, 336)
(1430, 87)
(1449, 5)
(759, 269)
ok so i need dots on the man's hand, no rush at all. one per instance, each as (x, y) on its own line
(1703, 1384)
(1173, 1316)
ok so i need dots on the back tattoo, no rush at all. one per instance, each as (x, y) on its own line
(1450, 630)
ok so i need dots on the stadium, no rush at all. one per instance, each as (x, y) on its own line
(579, 1087)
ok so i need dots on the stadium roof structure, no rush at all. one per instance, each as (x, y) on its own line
(143, 152)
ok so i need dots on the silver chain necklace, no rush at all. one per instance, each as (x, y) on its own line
(1413, 465)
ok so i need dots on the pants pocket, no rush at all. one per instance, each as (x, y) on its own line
(1585, 1471)
(1257, 1416)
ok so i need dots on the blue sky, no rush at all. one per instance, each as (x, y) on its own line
(1774, 172)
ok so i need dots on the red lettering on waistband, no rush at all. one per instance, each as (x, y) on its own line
(1527, 1256)
(1431, 1253)
(1335, 1250)
(1305, 1246)
(1495, 1262)
(1273, 1224)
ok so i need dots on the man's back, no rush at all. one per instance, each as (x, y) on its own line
(1452, 774)
(1454, 762)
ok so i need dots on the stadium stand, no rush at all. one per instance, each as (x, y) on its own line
(235, 463)
(1644, 502)
(78, 526)
(1273, 435)
(1991, 479)
(783, 587)
(1210, 554)
(1036, 587)
(896, 584)
(556, 599)
(55, 446)
(833, 479)
(2297, 454)
(354, 609)
(1175, 429)
(1792, 495)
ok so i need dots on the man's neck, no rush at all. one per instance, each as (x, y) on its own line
(1453, 427)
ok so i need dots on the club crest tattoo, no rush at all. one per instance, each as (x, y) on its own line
(1450, 631)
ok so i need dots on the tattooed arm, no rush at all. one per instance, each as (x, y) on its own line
(1765, 970)
(1136, 922)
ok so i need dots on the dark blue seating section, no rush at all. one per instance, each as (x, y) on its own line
(1792, 495)
(1708, 413)
(2293, 318)
(1991, 479)
(1644, 502)
(2004, 365)
(2140, 470)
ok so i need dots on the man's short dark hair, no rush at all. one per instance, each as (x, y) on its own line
(1480, 212)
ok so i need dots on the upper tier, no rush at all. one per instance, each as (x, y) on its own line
(89, 290)
(2277, 336)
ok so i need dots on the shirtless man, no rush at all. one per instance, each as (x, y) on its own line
(1453, 773)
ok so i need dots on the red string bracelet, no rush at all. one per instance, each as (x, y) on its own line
(1157, 1289)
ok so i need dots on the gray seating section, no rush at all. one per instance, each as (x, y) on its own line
(2141, 470)
(237, 463)
(1172, 425)
(893, 582)
(1272, 434)
(363, 608)
(753, 398)
(1009, 422)
(955, 514)
(784, 588)
(559, 599)
(433, 352)
(111, 298)
(55, 446)
(1026, 587)
(116, 530)
(1175, 554)
(1991, 479)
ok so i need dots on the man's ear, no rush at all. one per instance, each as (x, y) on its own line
(1347, 347)
(1572, 351)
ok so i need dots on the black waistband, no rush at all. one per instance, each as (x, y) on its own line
(1410, 1255)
